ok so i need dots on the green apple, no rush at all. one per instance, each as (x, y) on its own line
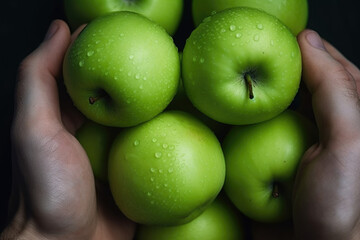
(218, 222)
(123, 69)
(96, 140)
(261, 163)
(164, 12)
(166, 171)
(181, 102)
(241, 66)
(293, 13)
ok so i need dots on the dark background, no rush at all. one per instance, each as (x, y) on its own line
(24, 24)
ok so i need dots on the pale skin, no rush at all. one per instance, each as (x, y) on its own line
(54, 194)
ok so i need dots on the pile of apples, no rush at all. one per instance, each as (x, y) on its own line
(190, 142)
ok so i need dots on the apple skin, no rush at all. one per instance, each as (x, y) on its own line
(261, 162)
(166, 171)
(293, 13)
(227, 48)
(126, 61)
(182, 103)
(96, 140)
(218, 222)
(164, 12)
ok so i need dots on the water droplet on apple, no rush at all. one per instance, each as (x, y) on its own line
(256, 37)
(144, 78)
(152, 170)
(166, 185)
(194, 59)
(136, 143)
(222, 30)
(292, 54)
(260, 26)
(232, 28)
(170, 170)
(152, 179)
(161, 171)
(238, 35)
(158, 155)
(81, 63)
(165, 146)
(121, 34)
(154, 140)
(272, 42)
(213, 12)
(141, 87)
(202, 60)
(149, 194)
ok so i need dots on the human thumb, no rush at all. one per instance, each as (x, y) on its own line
(333, 88)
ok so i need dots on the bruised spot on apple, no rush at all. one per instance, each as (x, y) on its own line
(261, 164)
(241, 66)
(122, 70)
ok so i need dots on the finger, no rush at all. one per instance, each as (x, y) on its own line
(71, 117)
(37, 93)
(77, 32)
(349, 66)
(334, 95)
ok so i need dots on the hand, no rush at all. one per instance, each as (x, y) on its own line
(53, 186)
(327, 188)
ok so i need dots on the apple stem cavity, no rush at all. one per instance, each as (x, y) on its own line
(99, 94)
(92, 100)
(275, 191)
(249, 83)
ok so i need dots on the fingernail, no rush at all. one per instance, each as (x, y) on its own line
(315, 40)
(52, 30)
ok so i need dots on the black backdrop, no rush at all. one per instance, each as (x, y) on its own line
(24, 24)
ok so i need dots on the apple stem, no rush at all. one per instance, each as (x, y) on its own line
(248, 80)
(275, 192)
(92, 100)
